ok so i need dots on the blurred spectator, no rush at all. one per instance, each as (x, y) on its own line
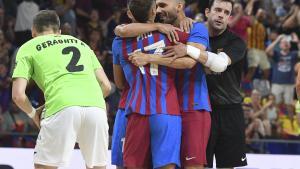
(257, 56)
(94, 22)
(292, 20)
(283, 78)
(9, 26)
(297, 111)
(67, 14)
(199, 17)
(260, 111)
(114, 20)
(272, 113)
(192, 9)
(239, 23)
(1, 120)
(4, 49)
(272, 36)
(289, 126)
(16, 121)
(25, 13)
(2, 14)
(83, 9)
(5, 81)
(97, 45)
(254, 126)
(66, 29)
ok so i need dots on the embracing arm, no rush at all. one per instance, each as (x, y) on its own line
(136, 29)
(180, 63)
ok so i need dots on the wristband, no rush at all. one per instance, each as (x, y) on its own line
(193, 52)
(32, 114)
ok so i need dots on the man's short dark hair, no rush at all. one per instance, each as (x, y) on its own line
(46, 19)
(211, 2)
(140, 9)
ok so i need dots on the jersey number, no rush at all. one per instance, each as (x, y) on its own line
(158, 46)
(72, 66)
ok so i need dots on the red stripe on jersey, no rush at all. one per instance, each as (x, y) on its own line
(158, 82)
(125, 54)
(139, 93)
(172, 94)
(124, 94)
(180, 86)
(148, 81)
(192, 88)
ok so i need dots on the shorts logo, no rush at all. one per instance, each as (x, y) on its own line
(189, 158)
(244, 158)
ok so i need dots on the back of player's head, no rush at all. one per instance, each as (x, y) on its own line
(211, 2)
(46, 20)
(140, 9)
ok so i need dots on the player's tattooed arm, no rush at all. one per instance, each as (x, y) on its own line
(141, 59)
(136, 29)
(103, 81)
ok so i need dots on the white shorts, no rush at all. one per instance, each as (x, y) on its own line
(283, 91)
(257, 58)
(86, 125)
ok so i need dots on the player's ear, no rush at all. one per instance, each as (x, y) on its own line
(207, 12)
(180, 6)
(33, 32)
(153, 11)
(130, 16)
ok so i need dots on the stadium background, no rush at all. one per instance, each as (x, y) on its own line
(271, 128)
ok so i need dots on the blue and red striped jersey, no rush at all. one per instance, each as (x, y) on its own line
(124, 94)
(123, 98)
(192, 87)
(152, 88)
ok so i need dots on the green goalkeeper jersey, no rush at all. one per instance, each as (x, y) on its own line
(64, 68)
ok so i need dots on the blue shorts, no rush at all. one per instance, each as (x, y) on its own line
(118, 138)
(153, 138)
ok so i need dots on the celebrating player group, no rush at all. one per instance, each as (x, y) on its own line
(180, 104)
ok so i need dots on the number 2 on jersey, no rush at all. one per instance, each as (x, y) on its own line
(72, 66)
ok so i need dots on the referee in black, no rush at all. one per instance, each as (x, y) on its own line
(227, 138)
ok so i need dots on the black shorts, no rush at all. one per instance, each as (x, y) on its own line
(227, 137)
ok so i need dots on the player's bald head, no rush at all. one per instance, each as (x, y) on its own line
(46, 20)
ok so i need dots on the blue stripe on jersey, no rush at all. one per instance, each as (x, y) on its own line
(134, 94)
(127, 69)
(164, 82)
(163, 79)
(152, 85)
(198, 86)
(185, 91)
(144, 76)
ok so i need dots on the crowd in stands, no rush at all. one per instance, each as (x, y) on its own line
(271, 29)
